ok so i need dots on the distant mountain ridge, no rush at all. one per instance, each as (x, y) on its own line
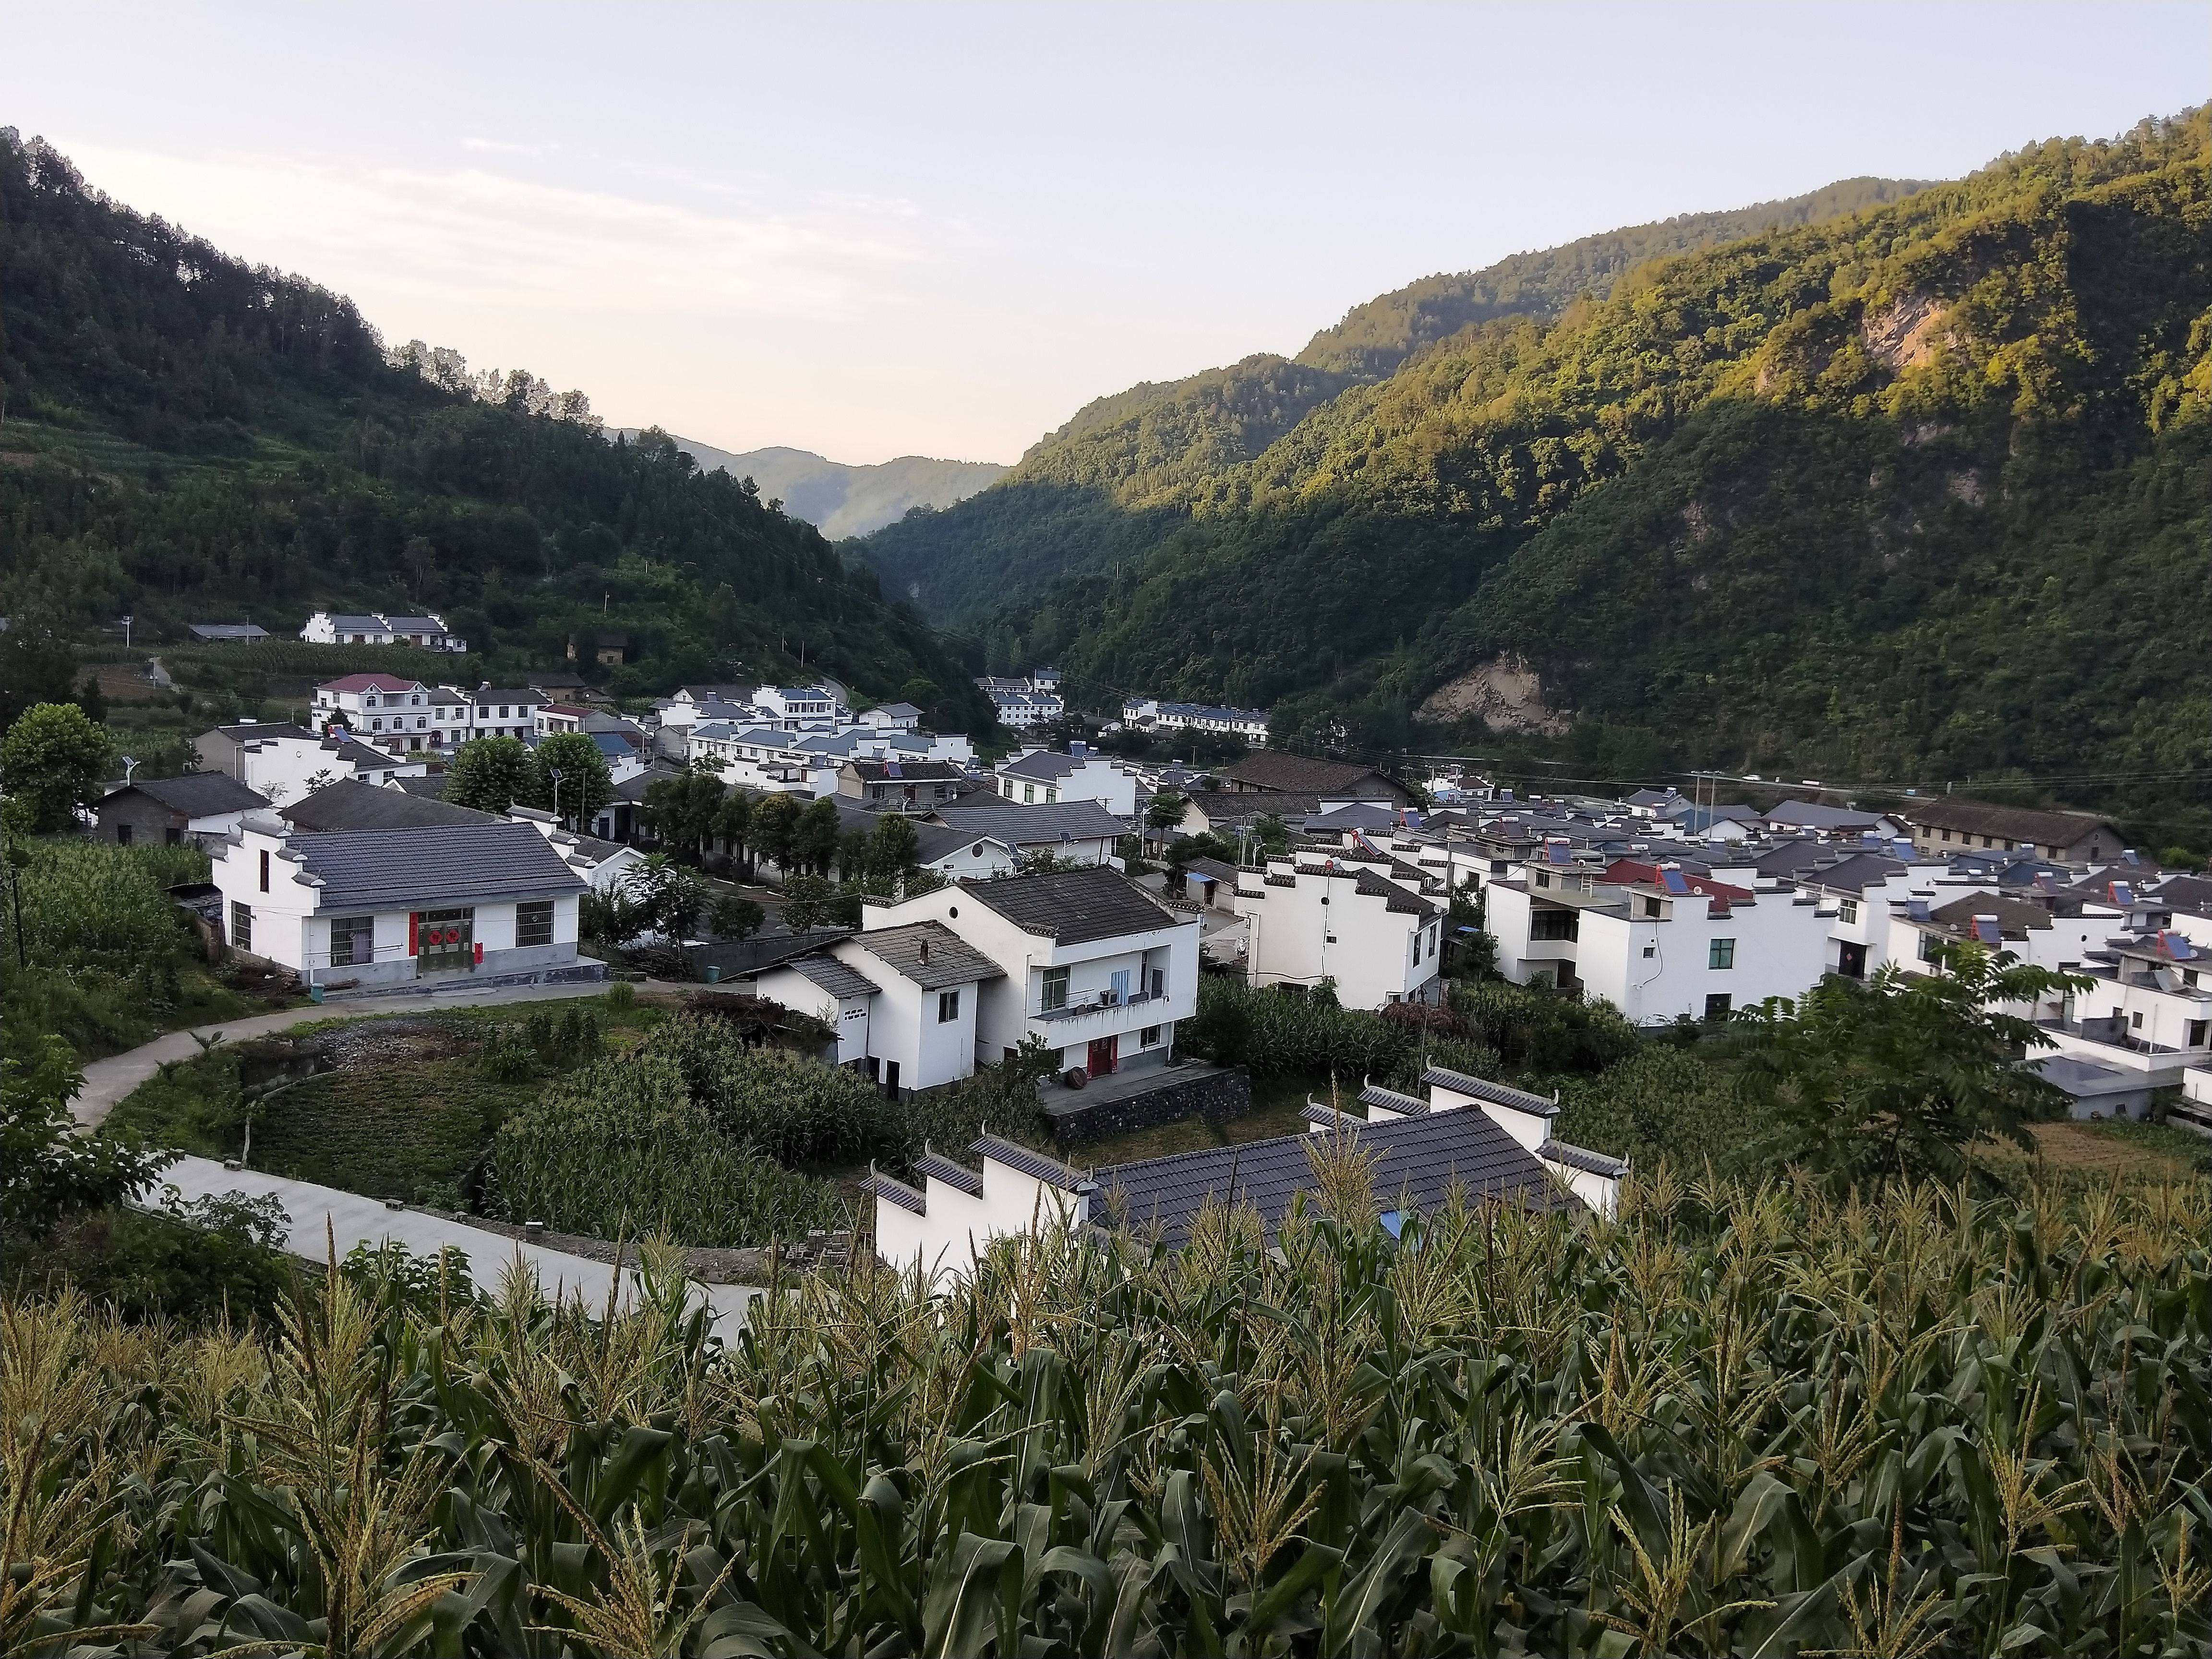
(844, 501)
(1168, 445)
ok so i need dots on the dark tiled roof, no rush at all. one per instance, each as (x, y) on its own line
(1277, 769)
(432, 787)
(1034, 826)
(1819, 815)
(1421, 1159)
(2015, 916)
(1498, 1094)
(1213, 868)
(435, 865)
(1394, 897)
(1073, 907)
(915, 771)
(1391, 1101)
(1581, 1157)
(928, 953)
(1045, 766)
(252, 731)
(1853, 874)
(883, 1186)
(940, 1168)
(839, 978)
(201, 794)
(1983, 817)
(1049, 1170)
(352, 804)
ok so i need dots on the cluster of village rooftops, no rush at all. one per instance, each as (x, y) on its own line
(336, 856)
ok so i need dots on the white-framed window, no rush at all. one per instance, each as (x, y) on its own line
(1056, 990)
(241, 926)
(1848, 910)
(948, 1007)
(1720, 953)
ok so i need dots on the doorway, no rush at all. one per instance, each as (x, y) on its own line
(891, 1079)
(445, 940)
(1850, 960)
(1105, 1056)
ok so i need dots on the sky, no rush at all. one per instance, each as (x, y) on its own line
(876, 230)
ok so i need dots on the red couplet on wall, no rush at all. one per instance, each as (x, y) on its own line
(479, 953)
(413, 928)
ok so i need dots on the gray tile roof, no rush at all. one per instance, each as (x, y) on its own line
(1074, 907)
(1581, 1157)
(1213, 869)
(1049, 1170)
(839, 978)
(1498, 1094)
(353, 804)
(1035, 826)
(937, 1166)
(1045, 766)
(1279, 769)
(1819, 815)
(201, 794)
(1391, 1101)
(928, 953)
(884, 1186)
(433, 864)
(1421, 1159)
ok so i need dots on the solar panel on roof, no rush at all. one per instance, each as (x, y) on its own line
(1673, 879)
(2122, 892)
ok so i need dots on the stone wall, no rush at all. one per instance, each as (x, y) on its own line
(1213, 1092)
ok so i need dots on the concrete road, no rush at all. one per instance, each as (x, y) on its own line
(322, 1218)
(107, 1081)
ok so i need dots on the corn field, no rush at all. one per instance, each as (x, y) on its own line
(1731, 1421)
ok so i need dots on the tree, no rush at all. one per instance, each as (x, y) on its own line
(807, 902)
(1166, 811)
(585, 786)
(774, 818)
(684, 810)
(489, 775)
(671, 896)
(52, 759)
(893, 850)
(1895, 1080)
(733, 823)
(36, 665)
(814, 835)
(733, 917)
(47, 1170)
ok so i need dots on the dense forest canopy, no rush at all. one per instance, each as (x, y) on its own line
(1917, 493)
(190, 438)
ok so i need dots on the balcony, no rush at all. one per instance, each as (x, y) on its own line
(1088, 1018)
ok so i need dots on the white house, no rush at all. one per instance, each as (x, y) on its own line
(490, 711)
(1657, 941)
(385, 906)
(891, 717)
(194, 809)
(797, 705)
(1249, 725)
(606, 865)
(1073, 832)
(1353, 916)
(1032, 699)
(1041, 777)
(942, 1226)
(903, 1000)
(343, 628)
(285, 761)
(388, 710)
(1090, 963)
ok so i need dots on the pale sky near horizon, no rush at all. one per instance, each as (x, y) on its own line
(874, 230)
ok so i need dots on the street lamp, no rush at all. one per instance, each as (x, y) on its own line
(129, 765)
(554, 773)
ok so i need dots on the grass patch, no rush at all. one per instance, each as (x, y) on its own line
(410, 1130)
(2157, 1150)
(1278, 1103)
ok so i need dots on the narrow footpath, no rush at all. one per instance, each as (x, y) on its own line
(321, 1217)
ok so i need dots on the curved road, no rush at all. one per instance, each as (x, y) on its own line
(324, 1218)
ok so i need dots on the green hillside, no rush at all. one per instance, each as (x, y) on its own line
(188, 438)
(1918, 494)
(1169, 445)
(840, 499)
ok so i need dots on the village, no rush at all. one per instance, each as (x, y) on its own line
(1064, 901)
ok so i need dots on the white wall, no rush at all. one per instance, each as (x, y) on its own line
(903, 1026)
(1378, 955)
(958, 1227)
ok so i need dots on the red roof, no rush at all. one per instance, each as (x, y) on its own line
(1634, 873)
(371, 682)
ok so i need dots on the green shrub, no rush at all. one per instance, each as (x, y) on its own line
(1663, 1104)
(1282, 1029)
(620, 1148)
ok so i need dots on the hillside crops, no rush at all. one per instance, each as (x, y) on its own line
(1732, 1422)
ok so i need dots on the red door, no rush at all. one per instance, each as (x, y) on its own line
(1105, 1055)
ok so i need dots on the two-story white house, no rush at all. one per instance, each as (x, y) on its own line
(1355, 916)
(1071, 832)
(794, 707)
(383, 907)
(903, 1000)
(491, 711)
(346, 628)
(392, 713)
(1042, 777)
(285, 761)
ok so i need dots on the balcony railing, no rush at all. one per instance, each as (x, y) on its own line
(1099, 1002)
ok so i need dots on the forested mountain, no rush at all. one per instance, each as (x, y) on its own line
(842, 500)
(187, 437)
(1919, 493)
(1164, 445)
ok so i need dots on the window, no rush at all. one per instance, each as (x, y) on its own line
(1650, 907)
(1117, 988)
(1056, 989)
(175, 837)
(1848, 910)
(1720, 953)
(353, 940)
(1651, 950)
(265, 870)
(1051, 795)
(2135, 1020)
(948, 1007)
(1159, 982)
(1555, 924)
(241, 926)
(1542, 879)
(2197, 1030)
(123, 834)
(1718, 1006)
(1029, 794)
(533, 922)
(1931, 948)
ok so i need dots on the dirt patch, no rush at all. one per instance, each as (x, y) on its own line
(1905, 334)
(1505, 692)
(1966, 486)
(2131, 1148)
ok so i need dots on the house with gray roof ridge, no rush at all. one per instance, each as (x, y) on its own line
(903, 1000)
(432, 906)
(1079, 832)
(196, 808)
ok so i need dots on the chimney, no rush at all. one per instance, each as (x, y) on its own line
(924, 953)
